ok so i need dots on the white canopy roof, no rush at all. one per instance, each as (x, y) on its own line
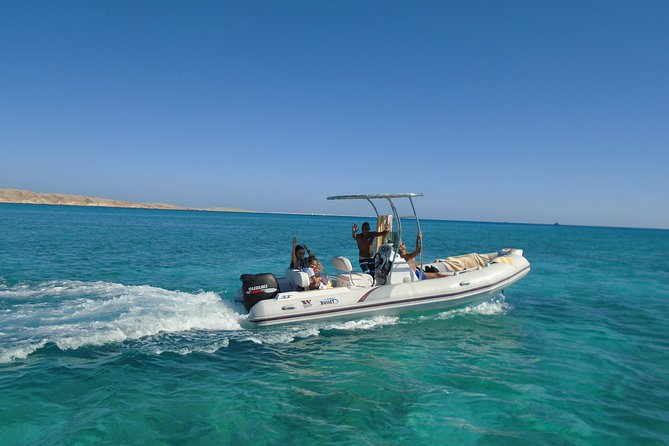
(367, 197)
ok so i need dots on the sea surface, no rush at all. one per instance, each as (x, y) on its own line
(119, 326)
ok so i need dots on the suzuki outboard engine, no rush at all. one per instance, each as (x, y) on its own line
(383, 263)
(257, 287)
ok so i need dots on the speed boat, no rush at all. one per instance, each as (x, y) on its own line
(397, 287)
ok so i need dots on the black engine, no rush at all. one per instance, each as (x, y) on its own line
(257, 287)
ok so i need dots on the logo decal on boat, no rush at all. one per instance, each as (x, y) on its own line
(329, 301)
(306, 303)
(257, 289)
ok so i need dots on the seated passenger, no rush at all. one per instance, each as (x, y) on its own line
(411, 260)
(319, 272)
(316, 280)
(298, 260)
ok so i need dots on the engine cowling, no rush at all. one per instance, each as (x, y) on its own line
(257, 287)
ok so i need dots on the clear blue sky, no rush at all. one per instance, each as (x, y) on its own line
(519, 111)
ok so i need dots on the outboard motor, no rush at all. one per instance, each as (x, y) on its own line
(383, 263)
(257, 287)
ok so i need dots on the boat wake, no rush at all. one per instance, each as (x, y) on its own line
(72, 314)
(494, 306)
(290, 333)
(153, 320)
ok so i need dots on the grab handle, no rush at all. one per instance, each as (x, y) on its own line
(464, 283)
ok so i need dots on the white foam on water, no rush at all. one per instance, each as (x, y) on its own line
(216, 346)
(364, 324)
(290, 333)
(20, 351)
(494, 306)
(207, 348)
(73, 314)
(282, 335)
(59, 288)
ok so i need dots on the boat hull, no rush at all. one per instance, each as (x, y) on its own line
(459, 289)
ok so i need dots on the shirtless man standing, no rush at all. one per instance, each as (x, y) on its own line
(365, 240)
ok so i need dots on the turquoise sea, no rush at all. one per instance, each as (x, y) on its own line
(119, 326)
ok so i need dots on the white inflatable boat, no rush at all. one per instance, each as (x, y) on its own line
(395, 288)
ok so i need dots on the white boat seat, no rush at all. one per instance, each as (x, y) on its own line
(350, 278)
(342, 264)
(298, 280)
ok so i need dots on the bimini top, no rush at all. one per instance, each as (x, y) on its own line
(367, 197)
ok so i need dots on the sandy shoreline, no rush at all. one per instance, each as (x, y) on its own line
(19, 196)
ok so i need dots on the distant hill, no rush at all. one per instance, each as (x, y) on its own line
(29, 197)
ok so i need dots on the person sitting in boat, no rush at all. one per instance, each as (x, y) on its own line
(298, 259)
(365, 240)
(411, 260)
(316, 280)
(324, 278)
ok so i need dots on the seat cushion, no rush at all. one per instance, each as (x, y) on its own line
(342, 264)
(297, 278)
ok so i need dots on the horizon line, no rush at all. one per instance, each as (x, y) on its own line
(316, 214)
